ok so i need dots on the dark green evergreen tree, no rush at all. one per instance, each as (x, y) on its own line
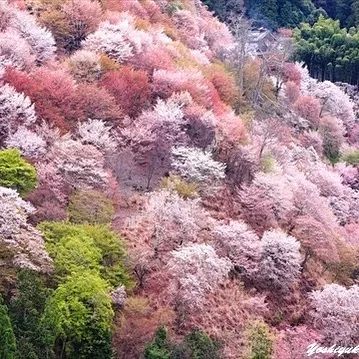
(7, 337)
(160, 347)
(26, 310)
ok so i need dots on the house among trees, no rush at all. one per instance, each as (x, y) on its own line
(261, 40)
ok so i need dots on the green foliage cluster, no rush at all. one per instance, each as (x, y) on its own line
(79, 247)
(329, 51)
(183, 188)
(71, 316)
(90, 206)
(351, 157)
(260, 341)
(15, 172)
(196, 345)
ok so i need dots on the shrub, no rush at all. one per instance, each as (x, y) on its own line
(260, 341)
(351, 157)
(90, 206)
(183, 188)
(15, 172)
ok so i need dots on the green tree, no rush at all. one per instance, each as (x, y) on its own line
(15, 172)
(97, 239)
(26, 310)
(7, 337)
(79, 315)
(74, 254)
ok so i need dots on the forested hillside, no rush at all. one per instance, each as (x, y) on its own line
(165, 193)
(289, 13)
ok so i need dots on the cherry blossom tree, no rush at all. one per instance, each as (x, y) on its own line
(332, 133)
(349, 175)
(51, 195)
(28, 142)
(316, 239)
(153, 58)
(20, 237)
(291, 91)
(166, 82)
(189, 30)
(173, 220)
(110, 39)
(85, 66)
(15, 109)
(40, 40)
(130, 88)
(119, 38)
(256, 208)
(334, 102)
(98, 134)
(83, 17)
(104, 108)
(201, 125)
(196, 165)
(197, 270)
(277, 191)
(119, 296)
(18, 56)
(336, 313)
(292, 73)
(53, 91)
(152, 135)
(280, 260)
(81, 165)
(241, 245)
(292, 343)
(308, 107)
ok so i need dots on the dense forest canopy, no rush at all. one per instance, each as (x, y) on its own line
(289, 13)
